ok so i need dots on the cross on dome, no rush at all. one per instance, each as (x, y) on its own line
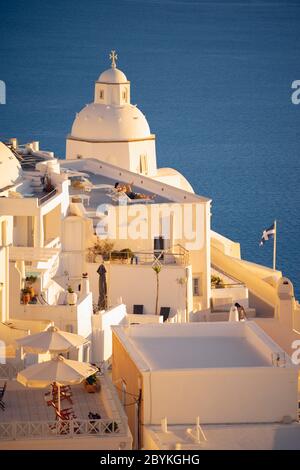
(113, 56)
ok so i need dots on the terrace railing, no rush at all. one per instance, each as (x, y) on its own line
(176, 255)
(17, 430)
(46, 197)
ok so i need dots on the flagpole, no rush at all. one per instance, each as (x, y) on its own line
(274, 245)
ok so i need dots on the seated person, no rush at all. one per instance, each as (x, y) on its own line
(241, 310)
(127, 189)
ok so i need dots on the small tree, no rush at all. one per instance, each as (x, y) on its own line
(157, 268)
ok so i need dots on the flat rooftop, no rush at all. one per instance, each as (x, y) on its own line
(198, 353)
(229, 437)
(101, 186)
(200, 345)
(102, 173)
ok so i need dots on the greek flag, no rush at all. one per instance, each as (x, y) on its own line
(267, 234)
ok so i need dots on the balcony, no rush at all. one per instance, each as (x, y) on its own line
(176, 255)
(27, 203)
(27, 417)
(78, 315)
(40, 258)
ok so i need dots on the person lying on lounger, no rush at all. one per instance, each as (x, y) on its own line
(127, 189)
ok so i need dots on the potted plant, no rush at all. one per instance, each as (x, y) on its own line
(124, 255)
(85, 284)
(71, 296)
(100, 251)
(30, 280)
(217, 282)
(25, 296)
(90, 383)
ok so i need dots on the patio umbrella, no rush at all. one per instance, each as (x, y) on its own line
(58, 370)
(52, 340)
(102, 301)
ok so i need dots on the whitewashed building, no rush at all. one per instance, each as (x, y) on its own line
(198, 386)
(160, 255)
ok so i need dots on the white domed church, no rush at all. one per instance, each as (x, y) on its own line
(113, 130)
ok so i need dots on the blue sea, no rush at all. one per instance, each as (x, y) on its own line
(213, 78)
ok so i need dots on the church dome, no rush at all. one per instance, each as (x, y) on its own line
(10, 168)
(113, 75)
(100, 122)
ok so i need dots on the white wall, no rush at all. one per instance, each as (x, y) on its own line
(132, 318)
(84, 315)
(74, 242)
(183, 200)
(102, 333)
(79, 316)
(237, 294)
(236, 395)
(21, 231)
(122, 154)
(137, 285)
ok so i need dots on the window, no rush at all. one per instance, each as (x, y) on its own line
(143, 164)
(196, 286)
(124, 95)
(101, 95)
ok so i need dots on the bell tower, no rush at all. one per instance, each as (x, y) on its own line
(111, 89)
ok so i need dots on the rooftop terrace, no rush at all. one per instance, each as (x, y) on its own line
(199, 353)
(101, 173)
(223, 372)
(27, 415)
(203, 346)
(101, 186)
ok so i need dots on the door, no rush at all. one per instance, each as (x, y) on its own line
(30, 231)
(159, 245)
